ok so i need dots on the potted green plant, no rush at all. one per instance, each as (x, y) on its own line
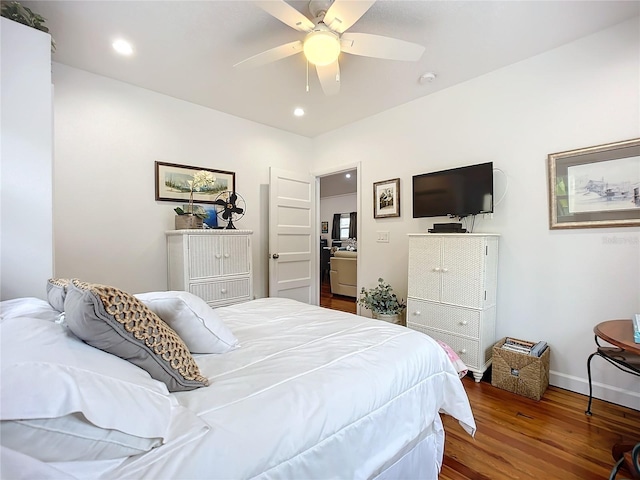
(383, 303)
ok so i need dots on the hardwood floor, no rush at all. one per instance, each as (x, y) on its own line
(518, 438)
(335, 302)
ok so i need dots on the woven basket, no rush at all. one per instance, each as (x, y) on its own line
(519, 373)
(188, 221)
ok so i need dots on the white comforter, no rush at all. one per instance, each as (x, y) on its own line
(310, 393)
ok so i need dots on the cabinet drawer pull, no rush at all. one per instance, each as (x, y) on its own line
(463, 351)
(444, 269)
(218, 255)
(226, 255)
(464, 322)
(223, 290)
(417, 313)
(436, 269)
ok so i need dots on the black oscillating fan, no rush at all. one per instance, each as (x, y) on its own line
(233, 207)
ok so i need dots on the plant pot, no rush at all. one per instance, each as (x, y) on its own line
(395, 318)
(188, 222)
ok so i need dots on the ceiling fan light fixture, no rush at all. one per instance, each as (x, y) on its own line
(321, 47)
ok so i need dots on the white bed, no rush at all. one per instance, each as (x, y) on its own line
(307, 393)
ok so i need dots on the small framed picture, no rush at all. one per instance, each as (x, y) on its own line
(172, 183)
(595, 186)
(386, 198)
(325, 227)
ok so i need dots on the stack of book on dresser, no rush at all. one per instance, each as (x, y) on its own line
(524, 347)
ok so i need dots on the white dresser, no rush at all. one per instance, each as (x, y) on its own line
(212, 264)
(452, 293)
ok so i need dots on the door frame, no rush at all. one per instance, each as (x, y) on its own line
(357, 166)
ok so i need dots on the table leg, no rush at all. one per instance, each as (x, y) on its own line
(588, 411)
(626, 362)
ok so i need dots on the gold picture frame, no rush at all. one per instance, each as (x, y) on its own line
(386, 198)
(595, 186)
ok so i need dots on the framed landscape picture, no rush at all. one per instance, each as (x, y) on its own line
(172, 183)
(595, 186)
(386, 198)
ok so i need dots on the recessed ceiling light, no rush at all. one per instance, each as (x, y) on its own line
(348, 175)
(427, 77)
(122, 47)
(298, 112)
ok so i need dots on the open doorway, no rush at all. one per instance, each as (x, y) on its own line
(339, 223)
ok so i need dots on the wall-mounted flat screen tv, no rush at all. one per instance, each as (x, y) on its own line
(457, 192)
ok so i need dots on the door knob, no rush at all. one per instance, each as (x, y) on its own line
(275, 256)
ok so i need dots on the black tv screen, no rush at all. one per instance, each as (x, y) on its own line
(457, 192)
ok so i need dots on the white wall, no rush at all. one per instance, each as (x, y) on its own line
(553, 285)
(108, 134)
(336, 204)
(26, 222)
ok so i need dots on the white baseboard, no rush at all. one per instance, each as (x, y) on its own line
(601, 391)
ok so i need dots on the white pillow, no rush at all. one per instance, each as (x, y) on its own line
(28, 307)
(71, 438)
(64, 400)
(47, 372)
(199, 326)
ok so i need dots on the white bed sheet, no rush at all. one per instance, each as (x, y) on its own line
(310, 393)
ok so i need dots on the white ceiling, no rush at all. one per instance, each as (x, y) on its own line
(339, 184)
(187, 49)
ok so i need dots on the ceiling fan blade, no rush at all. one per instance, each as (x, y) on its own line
(377, 46)
(329, 76)
(344, 13)
(286, 14)
(272, 55)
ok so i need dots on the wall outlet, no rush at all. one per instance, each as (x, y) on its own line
(383, 237)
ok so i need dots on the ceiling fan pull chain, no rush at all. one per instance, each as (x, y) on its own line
(307, 76)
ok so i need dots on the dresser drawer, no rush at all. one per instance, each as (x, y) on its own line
(457, 320)
(468, 350)
(223, 291)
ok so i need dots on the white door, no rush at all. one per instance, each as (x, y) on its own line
(293, 246)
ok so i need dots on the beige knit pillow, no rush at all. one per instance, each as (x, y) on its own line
(117, 322)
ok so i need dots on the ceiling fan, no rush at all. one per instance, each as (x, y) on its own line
(326, 38)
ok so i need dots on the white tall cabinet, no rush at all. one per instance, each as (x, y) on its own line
(212, 264)
(26, 170)
(452, 293)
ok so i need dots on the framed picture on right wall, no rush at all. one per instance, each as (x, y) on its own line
(386, 198)
(595, 186)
